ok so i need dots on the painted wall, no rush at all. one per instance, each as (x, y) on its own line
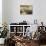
(4, 11)
(14, 9)
(11, 11)
(0, 13)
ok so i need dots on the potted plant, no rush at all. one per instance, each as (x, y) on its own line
(3, 34)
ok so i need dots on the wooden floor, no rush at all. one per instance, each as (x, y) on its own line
(32, 45)
(35, 43)
(1, 45)
(42, 45)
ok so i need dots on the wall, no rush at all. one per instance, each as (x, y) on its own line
(4, 11)
(12, 7)
(0, 13)
(40, 10)
(15, 11)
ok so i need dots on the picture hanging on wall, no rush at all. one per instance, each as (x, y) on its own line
(26, 9)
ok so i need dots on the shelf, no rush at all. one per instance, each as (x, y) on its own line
(19, 25)
(20, 29)
(16, 32)
(19, 32)
(12, 32)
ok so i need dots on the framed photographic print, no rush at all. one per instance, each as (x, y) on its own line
(26, 9)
